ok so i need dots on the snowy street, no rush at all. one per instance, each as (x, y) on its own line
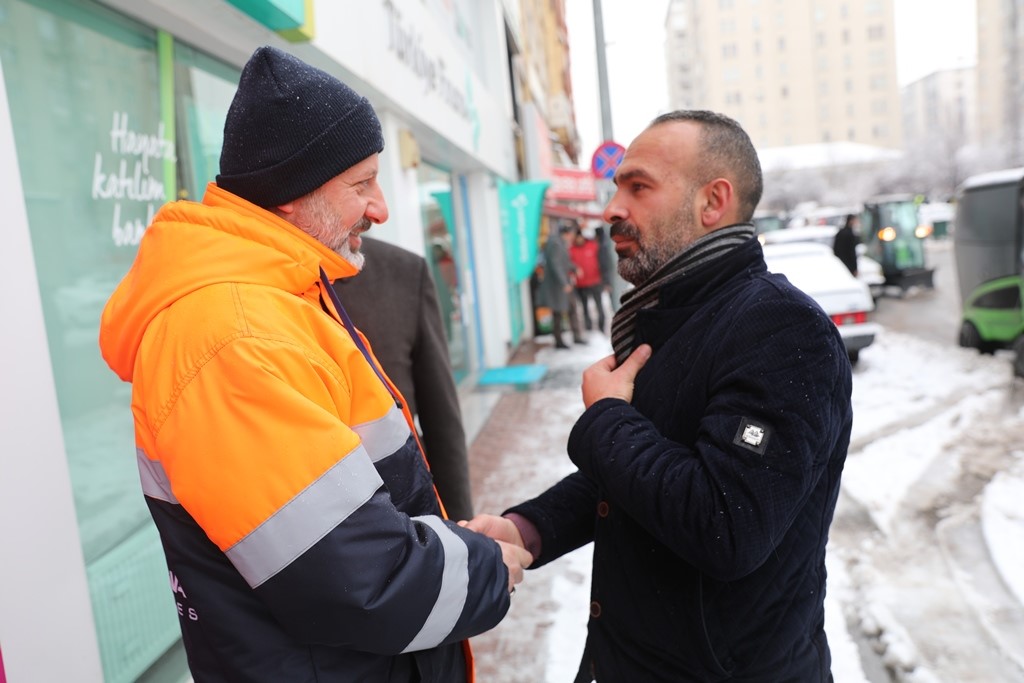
(926, 550)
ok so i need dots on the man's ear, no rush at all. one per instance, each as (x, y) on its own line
(719, 199)
(285, 209)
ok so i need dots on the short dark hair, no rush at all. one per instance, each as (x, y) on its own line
(726, 151)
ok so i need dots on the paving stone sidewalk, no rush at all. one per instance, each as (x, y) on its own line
(518, 453)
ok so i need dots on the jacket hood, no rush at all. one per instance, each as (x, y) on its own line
(190, 246)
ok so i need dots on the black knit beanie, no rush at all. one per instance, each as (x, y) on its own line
(290, 128)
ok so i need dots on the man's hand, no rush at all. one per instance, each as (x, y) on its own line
(516, 559)
(498, 528)
(507, 535)
(604, 380)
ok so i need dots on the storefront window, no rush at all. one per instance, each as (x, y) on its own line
(444, 258)
(96, 162)
(203, 89)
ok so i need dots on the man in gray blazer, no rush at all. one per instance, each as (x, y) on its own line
(393, 301)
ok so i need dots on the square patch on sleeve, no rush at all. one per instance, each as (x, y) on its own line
(753, 435)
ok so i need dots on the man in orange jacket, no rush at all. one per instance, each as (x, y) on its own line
(302, 533)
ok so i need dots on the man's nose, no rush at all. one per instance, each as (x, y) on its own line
(614, 211)
(377, 209)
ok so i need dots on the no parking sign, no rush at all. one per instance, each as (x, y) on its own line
(606, 159)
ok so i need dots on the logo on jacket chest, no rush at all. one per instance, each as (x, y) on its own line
(753, 435)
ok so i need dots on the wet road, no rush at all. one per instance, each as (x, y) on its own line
(930, 314)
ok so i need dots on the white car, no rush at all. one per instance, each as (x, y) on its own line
(869, 271)
(814, 269)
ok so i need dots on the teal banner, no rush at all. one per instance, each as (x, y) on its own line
(521, 205)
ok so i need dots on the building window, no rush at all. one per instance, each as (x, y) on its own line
(445, 260)
(876, 32)
(204, 89)
(83, 98)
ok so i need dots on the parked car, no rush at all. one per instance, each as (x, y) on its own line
(869, 271)
(814, 269)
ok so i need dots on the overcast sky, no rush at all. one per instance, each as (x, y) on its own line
(930, 35)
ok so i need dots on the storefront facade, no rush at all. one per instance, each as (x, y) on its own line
(109, 109)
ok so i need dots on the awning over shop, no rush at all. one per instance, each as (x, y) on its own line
(566, 211)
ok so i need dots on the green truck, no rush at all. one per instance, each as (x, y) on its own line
(988, 239)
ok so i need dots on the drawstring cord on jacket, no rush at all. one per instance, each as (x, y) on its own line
(351, 328)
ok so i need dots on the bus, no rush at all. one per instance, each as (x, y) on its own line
(988, 244)
(894, 236)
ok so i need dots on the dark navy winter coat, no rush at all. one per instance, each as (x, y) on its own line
(709, 498)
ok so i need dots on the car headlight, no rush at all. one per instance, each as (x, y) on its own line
(887, 234)
(923, 231)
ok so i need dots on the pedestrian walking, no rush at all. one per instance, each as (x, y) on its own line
(557, 285)
(710, 451)
(844, 245)
(302, 535)
(585, 254)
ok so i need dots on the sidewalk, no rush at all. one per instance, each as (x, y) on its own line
(516, 451)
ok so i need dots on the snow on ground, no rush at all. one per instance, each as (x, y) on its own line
(907, 394)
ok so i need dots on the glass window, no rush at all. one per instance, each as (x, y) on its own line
(444, 259)
(1004, 298)
(96, 161)
(203, 89)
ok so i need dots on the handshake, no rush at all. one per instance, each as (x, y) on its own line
(513, 550)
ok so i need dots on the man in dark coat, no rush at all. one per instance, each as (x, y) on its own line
(844, 245)
(713, 440)
(394, 303)
(557, 285)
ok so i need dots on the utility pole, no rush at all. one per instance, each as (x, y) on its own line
(602, 74)
(605, 188)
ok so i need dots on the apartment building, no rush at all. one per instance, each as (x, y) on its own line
(1000, 87)
(793, 72)
(941, 109)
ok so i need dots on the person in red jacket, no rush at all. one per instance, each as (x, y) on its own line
(585, 254)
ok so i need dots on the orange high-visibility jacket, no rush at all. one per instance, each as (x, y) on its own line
(301, 528)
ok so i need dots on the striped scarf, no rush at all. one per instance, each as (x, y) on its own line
(707, 248)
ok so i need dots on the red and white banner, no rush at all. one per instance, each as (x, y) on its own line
(571, 185)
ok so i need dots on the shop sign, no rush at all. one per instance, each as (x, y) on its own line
(571, 185)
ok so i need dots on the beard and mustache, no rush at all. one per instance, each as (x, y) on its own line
(647, 257)
(659, 243)
(318, 219)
